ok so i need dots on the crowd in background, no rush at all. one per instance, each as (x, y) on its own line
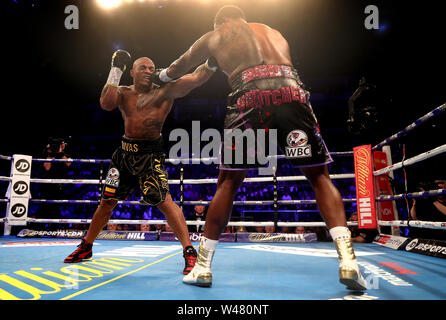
(298, 190)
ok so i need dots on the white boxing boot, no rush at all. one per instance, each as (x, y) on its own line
(201, 274)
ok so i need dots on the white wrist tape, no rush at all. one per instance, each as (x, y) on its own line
(114, 76)
(208, 67)
(164, 77)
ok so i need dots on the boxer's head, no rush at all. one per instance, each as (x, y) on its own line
(226, 13)
(142, 70)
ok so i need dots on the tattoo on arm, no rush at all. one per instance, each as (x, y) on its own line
(104, 90)
(201, 72)
(110, 101)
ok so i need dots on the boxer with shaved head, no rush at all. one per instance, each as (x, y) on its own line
(139, 161)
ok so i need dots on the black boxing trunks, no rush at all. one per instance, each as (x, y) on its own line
(263, 98)
(137, 163)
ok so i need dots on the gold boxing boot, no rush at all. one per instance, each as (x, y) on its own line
(349, 273)
(201, 274)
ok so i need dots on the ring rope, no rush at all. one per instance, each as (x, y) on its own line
(189, 181)
(414, 223)
(189, 222)
(5, 157)
(421, 194)
(422, 156)
(208, 159)
(412, 126)
(193, 160)
(192, 202)
(397, 223)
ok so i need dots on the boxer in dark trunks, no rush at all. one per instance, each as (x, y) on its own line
(139, 161)
(266, 93)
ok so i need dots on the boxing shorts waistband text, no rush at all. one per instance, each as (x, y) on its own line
(142, 147)
(268, 71)
(258, 98)
(130, 147)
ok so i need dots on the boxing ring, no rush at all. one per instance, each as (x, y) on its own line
(247, 266)
(135, 270)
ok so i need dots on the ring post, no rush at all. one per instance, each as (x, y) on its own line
(385, 209)
(18, 192)
(387, 150)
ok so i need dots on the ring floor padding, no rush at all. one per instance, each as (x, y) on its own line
(146, 270)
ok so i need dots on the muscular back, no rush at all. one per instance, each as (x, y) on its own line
(238, 45)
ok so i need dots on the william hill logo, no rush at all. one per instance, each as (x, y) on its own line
(136, 236)
(364, 186)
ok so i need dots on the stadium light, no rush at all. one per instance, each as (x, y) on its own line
(108, 4)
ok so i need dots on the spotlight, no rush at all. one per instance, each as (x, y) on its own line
(108, 4)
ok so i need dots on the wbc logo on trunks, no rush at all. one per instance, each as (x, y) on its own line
(112, 177)
(298, 146)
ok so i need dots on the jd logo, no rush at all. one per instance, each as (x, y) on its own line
(20, 187)
(18, 210)
(22, 165)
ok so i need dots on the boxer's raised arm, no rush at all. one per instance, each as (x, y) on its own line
(196, 54)
(109, 98)
(181, 87)
(110, 93)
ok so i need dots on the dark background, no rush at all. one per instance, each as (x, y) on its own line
(52, 77)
